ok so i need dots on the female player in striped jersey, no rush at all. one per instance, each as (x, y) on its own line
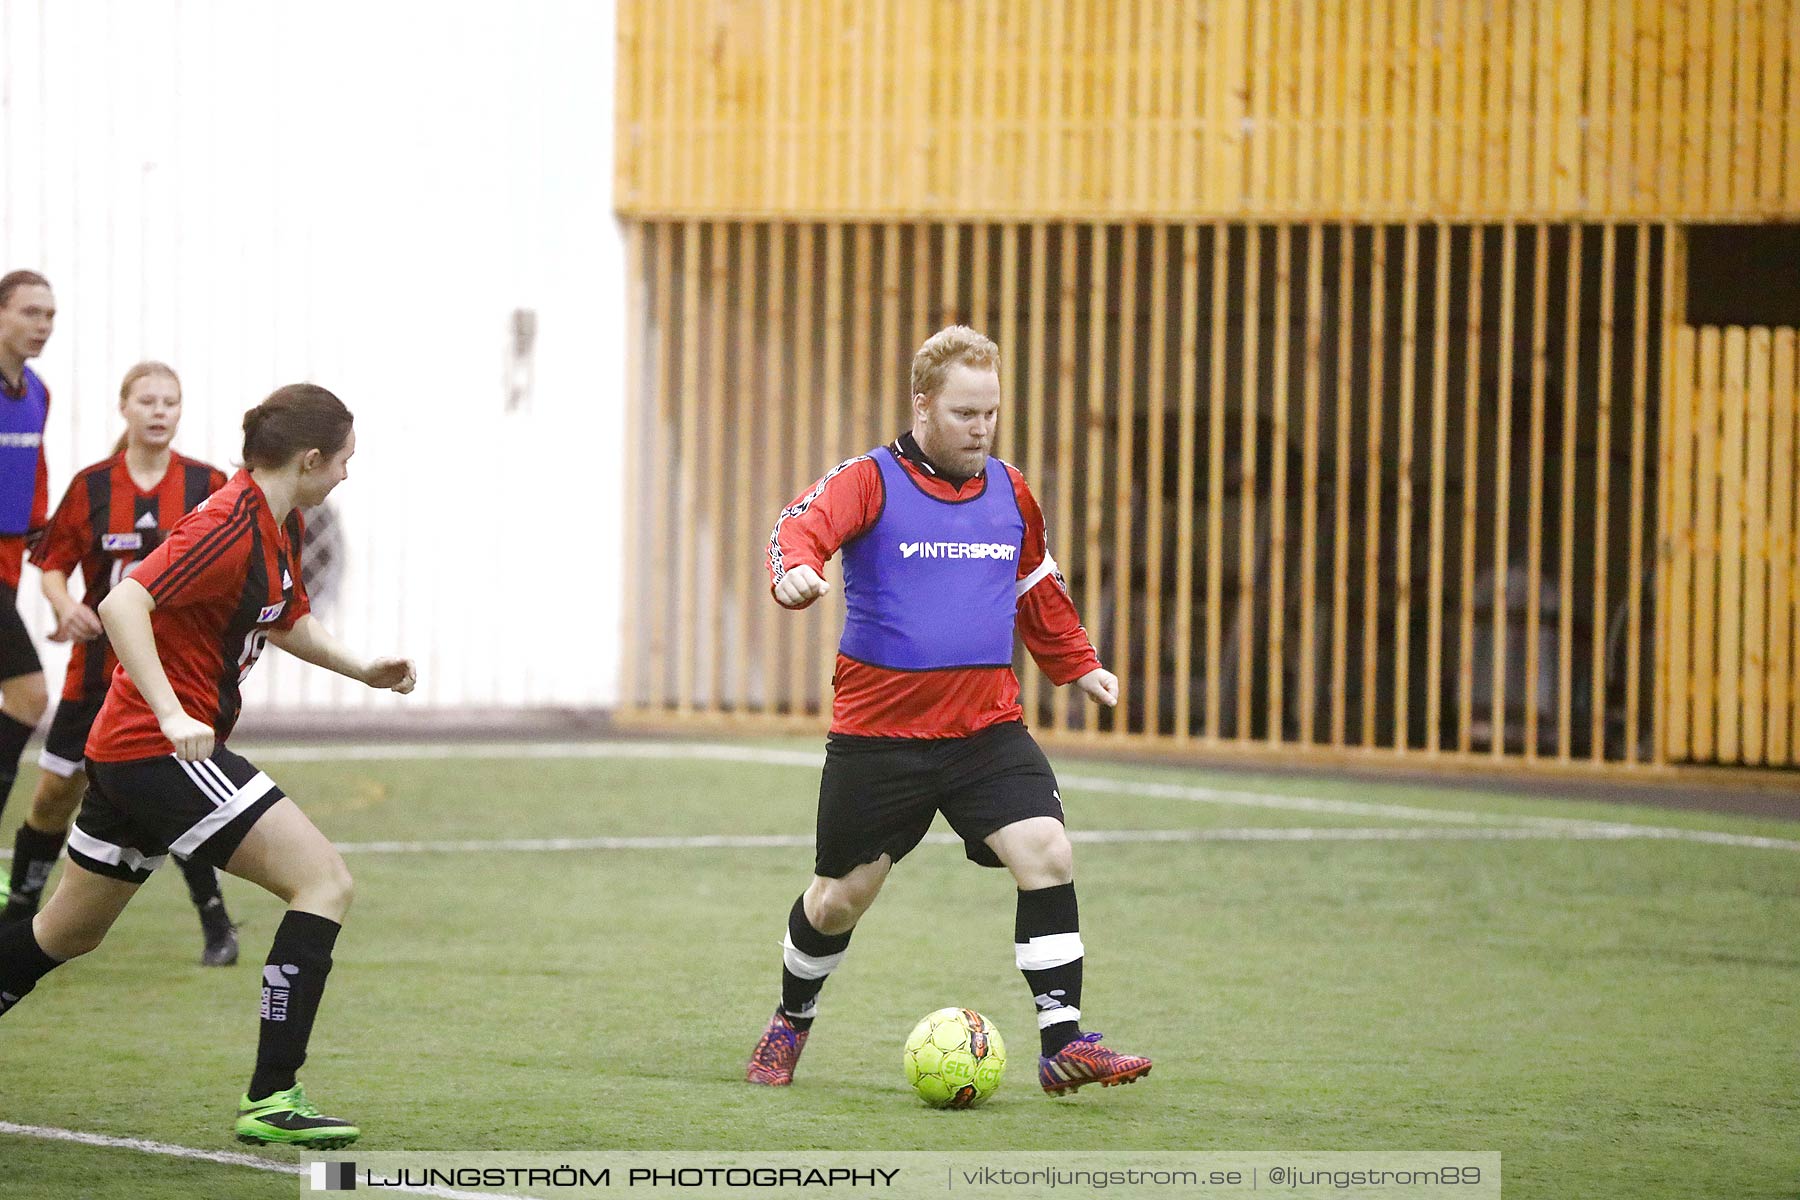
(113, 515)
(188, 625)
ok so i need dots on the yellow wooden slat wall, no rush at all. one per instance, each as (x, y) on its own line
(1294, 499)
(1194, 109)
(1729, 537)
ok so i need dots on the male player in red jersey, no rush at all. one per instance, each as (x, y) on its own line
(27, 317)
(944, 555)
(113, 515)
(187, 626)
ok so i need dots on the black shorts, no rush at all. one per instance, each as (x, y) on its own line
(878, 795)
(17, 655)
(137, 812)
(65, 746)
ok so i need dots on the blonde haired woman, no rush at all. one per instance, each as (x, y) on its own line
(114, 514)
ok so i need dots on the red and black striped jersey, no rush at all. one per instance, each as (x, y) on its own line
(105, 525)
(226, 576)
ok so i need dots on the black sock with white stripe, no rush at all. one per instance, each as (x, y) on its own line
(22, 962)
(293, 984)
(807, 957)
(13, 736)
(34, 857)
(1047, 947)
(202, 881)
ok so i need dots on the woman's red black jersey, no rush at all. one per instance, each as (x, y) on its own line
(225, 577)
(105, 525)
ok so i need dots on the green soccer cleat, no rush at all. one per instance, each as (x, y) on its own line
(286, 1118)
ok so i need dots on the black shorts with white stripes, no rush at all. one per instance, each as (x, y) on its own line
(136, 812)
(66, 742)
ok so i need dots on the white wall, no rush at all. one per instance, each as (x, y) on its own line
(358, 194)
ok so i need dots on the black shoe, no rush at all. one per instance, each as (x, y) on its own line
(221, 935)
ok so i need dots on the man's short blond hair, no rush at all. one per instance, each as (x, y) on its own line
(944, 349)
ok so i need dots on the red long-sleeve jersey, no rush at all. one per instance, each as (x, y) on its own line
(871, 701)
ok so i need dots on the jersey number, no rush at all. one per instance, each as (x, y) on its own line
(253, 648)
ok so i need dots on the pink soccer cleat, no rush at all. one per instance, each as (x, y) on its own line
(1085, 1060)
(772, 1062)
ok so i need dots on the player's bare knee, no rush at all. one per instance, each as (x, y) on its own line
(836, 908)
(26, 699)
(63, 939)
(1057, 858)
(328, 893)
(53, 804)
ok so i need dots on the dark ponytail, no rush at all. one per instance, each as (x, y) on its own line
(293, 420)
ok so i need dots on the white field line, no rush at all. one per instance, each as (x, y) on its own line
(1253, 833)
(50, 1133)
(755, 756)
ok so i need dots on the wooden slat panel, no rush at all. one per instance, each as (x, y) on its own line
(1709, 373)
(1247, 420)
(1716, 131)
(804, 457)
(1036, 368)
(1603, 549)
(1594, 166)
(1403, 470)
(1372, 466)
(638, 416)
(1678, 536)
(1695, 113)
(1730, 602)
(1093, 510)
(1068, 277)
(775, 444)
(1358, 137)
(660, 455)
(714, 595)
(1784, 565)
(1634, 540)
(1123, 397)
(1215, 480)
(1278, 400)
(1742, 131)
(837, 446)
(687, 487)
(1301, 109)
(1509, 262)
(1313, 346)
(751, 573)
(1771, 128)
(1753, 693)
(1155, 399)
(1565, 607)
(1440, 420)
(1471, 451)
(1186, 481)
(1340, 553)
(1534, 499)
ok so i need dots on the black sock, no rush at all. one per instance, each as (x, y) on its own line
(34, 856)
(13, 736)
(22, 963)
(293, 982)
(202, 881)
(1047, 947)
(807, 957)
